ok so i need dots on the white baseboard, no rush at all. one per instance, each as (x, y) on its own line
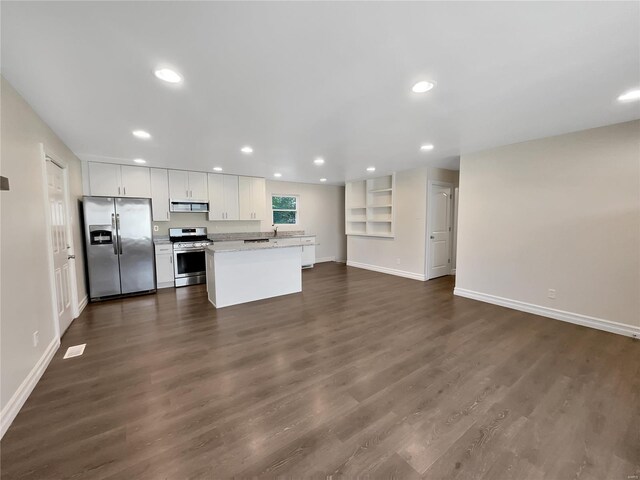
(390, 271)
(453, 271)
(11, 409)
(83, 303)
(577, 318)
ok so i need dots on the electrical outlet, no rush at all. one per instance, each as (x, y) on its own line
(36, 338)
(156, 228)
(397, 261)
(551, 293)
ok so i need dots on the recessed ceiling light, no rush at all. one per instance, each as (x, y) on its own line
(630, 95)
(141, 134)
(426, 147)
(323, 179)
(371, 169)
(217, 169)
(168, 75)
(423, 86)
(277, 175)
(246, 149)
(139, 160)
(319, 161)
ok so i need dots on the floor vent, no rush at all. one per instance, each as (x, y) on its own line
(75, 351)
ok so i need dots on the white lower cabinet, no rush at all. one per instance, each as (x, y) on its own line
(308, 255)
(164, 266)
(308, 248)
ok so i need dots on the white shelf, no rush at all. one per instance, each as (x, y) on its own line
(375, 197)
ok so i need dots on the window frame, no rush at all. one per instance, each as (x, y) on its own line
(296, 210)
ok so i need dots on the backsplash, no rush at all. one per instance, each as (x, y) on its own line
(181, 220)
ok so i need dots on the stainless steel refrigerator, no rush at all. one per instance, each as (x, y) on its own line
(119, 246)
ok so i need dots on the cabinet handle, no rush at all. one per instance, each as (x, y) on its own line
(171, 258)
(167, 215)
(118, 191)
(124, 189)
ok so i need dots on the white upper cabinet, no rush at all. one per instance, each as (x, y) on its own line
(216, 196)
(104, 179)
(189, 186)
(252, 192)
(135, 181)
(231, 205)
(160, 194)
(223, 197)
(109, 180)
(198, 187)
(178, 185)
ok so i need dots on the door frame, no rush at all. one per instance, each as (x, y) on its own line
(427, 261)
(45, 155)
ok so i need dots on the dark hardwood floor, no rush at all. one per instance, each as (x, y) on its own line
(361, 375)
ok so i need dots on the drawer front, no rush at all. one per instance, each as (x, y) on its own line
(163, 249)
(285, 241)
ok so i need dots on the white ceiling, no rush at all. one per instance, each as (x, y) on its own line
(299, 80)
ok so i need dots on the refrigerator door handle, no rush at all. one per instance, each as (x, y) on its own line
(114, 238)
(119, 237)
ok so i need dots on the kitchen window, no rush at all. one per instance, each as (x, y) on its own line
(285, 209)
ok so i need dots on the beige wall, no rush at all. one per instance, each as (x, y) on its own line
(25, 296)
(321, 213)
(558, 213)
(405, 253)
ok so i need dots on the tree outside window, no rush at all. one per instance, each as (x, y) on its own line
(285, 209)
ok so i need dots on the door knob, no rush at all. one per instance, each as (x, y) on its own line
(432, 237)
(71, 257)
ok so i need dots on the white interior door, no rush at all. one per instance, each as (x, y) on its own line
(60, 244)
(439, 222)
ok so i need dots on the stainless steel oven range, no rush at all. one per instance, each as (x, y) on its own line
(189, 263)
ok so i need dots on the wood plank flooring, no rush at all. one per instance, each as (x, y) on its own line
(362, 375)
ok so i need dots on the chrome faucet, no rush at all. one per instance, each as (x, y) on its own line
(275, 230)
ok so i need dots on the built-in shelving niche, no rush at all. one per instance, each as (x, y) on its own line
(369, 206)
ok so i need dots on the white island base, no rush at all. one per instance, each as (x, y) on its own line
(245, 274)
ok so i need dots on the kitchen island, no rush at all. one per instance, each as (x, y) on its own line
(253, 271)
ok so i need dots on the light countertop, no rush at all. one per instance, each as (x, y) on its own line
(211, 249)
(255, 237)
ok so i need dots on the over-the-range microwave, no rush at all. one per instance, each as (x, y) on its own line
(188, 207)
